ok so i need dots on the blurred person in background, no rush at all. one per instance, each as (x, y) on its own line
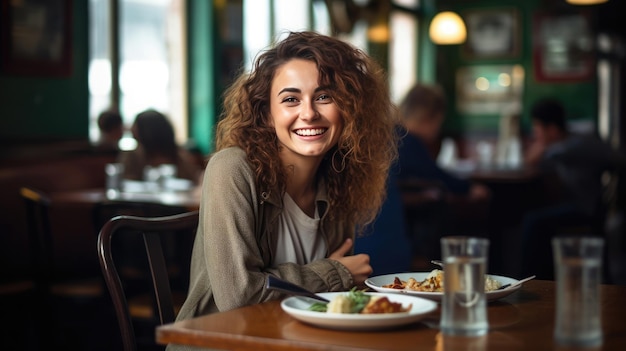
(422, 113)
(573, 166)
(156, 145)
(387, 240)
(111, 128)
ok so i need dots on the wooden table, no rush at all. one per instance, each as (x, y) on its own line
(187, 199)
(521, 321)
(493, 173)
(505, 175)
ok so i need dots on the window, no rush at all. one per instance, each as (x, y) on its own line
(146, 67)
(266, 20)
(99, 63)
(150, 69)
(402, 54)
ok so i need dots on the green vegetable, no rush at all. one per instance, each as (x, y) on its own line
(319, 307)
(358, 301)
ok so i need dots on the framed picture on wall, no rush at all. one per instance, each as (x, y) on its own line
(36, 37)
(492, 33)
(489, 89)
(563, 47)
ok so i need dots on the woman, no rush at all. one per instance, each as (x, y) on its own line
(302, 154)
(157, 146)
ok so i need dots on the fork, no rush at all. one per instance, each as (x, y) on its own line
(437, 262)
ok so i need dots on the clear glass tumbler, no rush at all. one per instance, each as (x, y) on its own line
(578, 267)
(464, 305)
(114, 177)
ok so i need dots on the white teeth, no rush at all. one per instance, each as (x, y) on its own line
(310, 132)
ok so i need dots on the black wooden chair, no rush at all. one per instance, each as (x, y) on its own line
(63, 299)
(169, 275)
(131, 261)
(42, 255)
(102, 212)
(17, 292)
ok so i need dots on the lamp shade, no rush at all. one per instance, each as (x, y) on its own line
(585, 2)
(447, 28)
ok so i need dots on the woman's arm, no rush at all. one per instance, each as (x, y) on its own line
(235, 248)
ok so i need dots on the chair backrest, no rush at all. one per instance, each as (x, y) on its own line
(39, 236)
(418, 192)
(104, 211)
(151, 229)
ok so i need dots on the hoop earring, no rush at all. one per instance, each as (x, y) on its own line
(342, 163)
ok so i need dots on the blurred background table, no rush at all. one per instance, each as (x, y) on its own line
(515, 190)
(188, 199)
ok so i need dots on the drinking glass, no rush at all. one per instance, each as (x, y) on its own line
(464, 305)
(167, 174)
(114, 177)
(578, 267)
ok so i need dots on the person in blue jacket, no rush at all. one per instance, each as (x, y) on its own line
(386, 240)
(422, 112)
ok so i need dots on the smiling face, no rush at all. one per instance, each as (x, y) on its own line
(307, 120)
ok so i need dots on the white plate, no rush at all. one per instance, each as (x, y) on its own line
(377, 283)
(298, 308)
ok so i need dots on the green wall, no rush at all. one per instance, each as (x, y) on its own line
(202, 93)
(579, 97)
(35, 107)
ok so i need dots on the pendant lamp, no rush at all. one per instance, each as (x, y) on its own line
(586, 2)
(447, 28)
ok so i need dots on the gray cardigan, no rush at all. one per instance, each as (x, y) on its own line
(237, 237)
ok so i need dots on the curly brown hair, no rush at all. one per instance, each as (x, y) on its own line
(356, 169)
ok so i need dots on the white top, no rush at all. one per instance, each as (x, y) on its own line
(298, 238)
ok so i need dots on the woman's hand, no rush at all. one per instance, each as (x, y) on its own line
(358, 265)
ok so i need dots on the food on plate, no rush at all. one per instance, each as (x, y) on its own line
(491, 284)
(381, 304)
(434, 283)
(356, 301)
